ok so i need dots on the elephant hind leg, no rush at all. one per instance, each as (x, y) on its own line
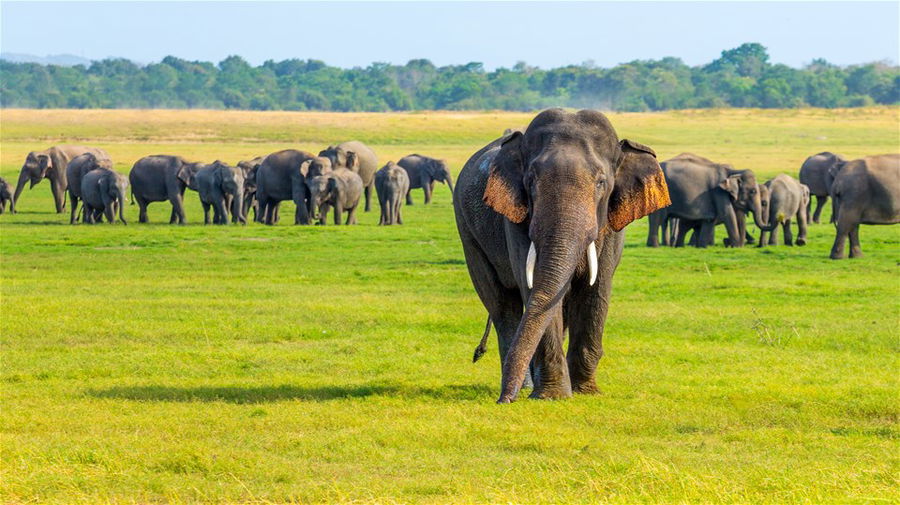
(820, 203)
(368, 192)
(142, 206)
(788, 235)
(855, 248)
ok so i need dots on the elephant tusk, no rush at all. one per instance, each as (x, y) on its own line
(592, 262)
(529, 266)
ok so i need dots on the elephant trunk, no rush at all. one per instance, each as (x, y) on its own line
(237, 208)
(23, 177)
(756, 209)
(562, 237)
(122, 209)
(450, 185)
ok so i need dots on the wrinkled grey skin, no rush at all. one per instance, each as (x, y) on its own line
(423, 172)
(705, 193)
(864, 191)
(814, 173)
(75, 171)
(280, 177)
(51, 164)
(221, 187)
(103, 192)
(5, 197)
(341, 189)
(764, 216)
(785, 200)
(391, 184)
(163, 177)
(315, 167)
(366, 167)
(566, 183)
(248, 169)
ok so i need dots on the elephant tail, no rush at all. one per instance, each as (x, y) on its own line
(482, 346)
(132, 196)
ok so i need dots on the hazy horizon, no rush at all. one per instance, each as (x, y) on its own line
(497, 34)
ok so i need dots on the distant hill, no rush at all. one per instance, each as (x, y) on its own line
(65, 60)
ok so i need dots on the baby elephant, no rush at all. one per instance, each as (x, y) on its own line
(340, 189)
(221, 187)
(786, 199)
(392, 184)
(103, 192)
(75, 170)
(6, 196)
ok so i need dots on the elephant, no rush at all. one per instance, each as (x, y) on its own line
(6, 197)
(704, 194)
(864, 191)
(282, 176)
(368, 163)
(341, 189)
(75, 171)
(160, 177)
(103, 191)
(51, 164)
(423, 172)
(249, 168)
(540, 215)
(221, 187)
(391, 184)
(315, 167)
(784, 198)
(814, 173)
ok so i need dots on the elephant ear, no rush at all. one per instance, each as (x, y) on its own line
(352, 160)
(331, 187)
(505, 188)
(105, 187)
(44, 164)
(304, 167)
(640, 187)
(184, 174)
(731, 185)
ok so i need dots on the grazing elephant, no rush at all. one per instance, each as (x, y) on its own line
(341, 189)
(368, 163)
(784, 198)
(6, 197)
(423, 172)
(705, 193)
(392, 184)
(221, 187)
(75, 171)
(814, 173)
(103, 191)
(159, 178)
(282, 176)
(51, 164)
(249, 168)
(540, 216)
(864, 191)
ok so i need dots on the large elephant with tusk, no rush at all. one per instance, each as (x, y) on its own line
(541, 215)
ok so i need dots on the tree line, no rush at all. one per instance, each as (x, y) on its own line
(741, 77)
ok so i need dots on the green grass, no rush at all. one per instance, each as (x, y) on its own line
(153, 363)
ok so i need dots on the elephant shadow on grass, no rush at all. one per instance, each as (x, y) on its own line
(273, 394)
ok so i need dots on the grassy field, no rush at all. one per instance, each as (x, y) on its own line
(156, 363)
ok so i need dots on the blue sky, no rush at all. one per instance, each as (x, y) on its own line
(544, 34)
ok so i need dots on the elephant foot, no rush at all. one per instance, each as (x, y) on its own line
(556, 392)
(856, 253)
(836, 256)
(588, 387)
(801, 241)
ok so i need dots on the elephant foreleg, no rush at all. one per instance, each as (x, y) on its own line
(409, 200)
(205, 212)
(73, 218)
(58, 195)
(368, 192)
(846, 224)
(551, 371)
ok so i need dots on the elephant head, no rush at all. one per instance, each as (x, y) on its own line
(743, 190)
(315, 167)
(764, 198)
(320, 189)
(113, 188)
(230, 180)
(571, 183)
(438, 171)
(186, 174)
(833, 171)
(35, 168)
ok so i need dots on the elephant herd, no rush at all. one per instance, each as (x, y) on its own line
(705, 193)
(337, 179)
